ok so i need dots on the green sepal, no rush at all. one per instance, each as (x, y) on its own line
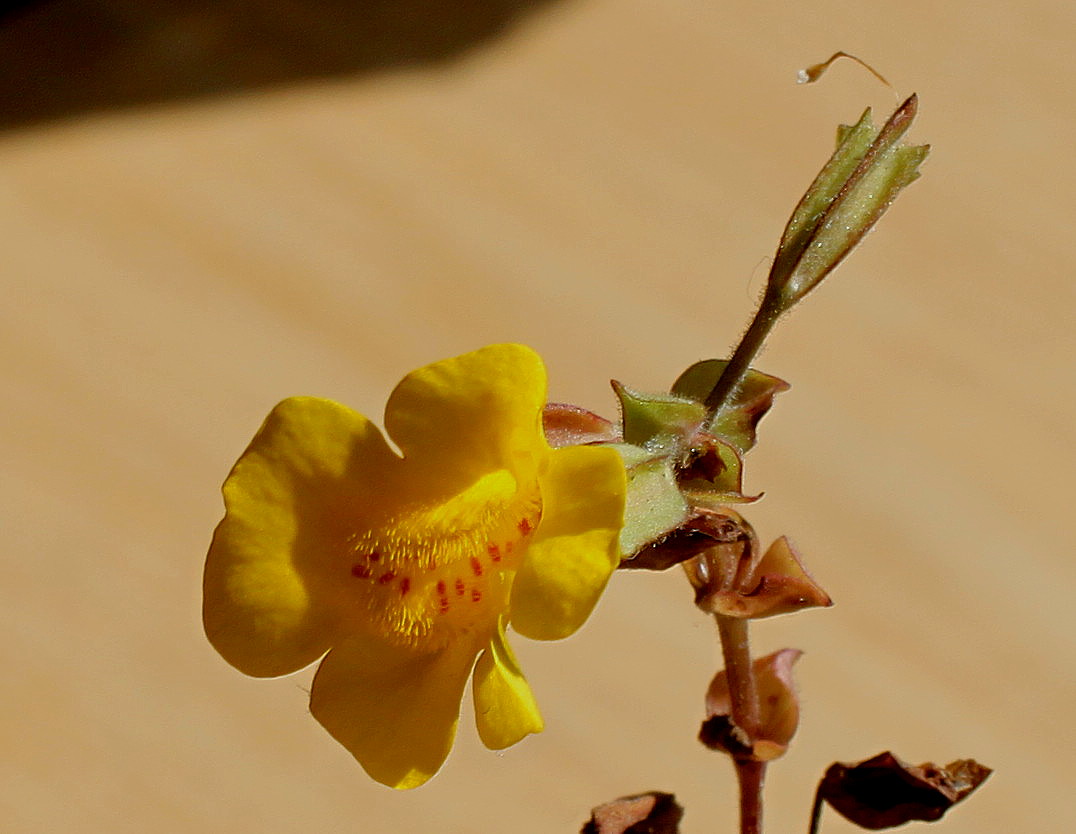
(659, 422)
(654, 505)
(736, 422)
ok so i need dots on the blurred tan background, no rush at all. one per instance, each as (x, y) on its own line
(209, 206)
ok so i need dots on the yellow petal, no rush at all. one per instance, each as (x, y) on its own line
(504, 705)
(271, 590)
(394, 710)
(575, 548)
(472, 414)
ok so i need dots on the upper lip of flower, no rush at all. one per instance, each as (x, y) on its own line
(406, 568)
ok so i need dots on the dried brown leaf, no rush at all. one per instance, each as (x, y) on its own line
(884, 792)
(645, 813)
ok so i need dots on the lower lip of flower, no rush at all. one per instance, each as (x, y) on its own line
(438, 573)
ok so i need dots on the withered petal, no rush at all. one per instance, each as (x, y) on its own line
(570, 425)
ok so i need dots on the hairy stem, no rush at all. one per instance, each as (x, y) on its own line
(769, 311)
(743, 693)
(736, 649)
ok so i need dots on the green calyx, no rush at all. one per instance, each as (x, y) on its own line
(852, 191)
(679, 456)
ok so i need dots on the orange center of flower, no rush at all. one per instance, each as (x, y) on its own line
(434, 573)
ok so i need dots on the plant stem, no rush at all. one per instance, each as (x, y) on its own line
(736, 649)
(750, 776)
(816, 811)
(769, 311)
(743, 694)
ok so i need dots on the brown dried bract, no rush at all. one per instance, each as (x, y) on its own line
(735, 579)
(779, 711)
(645, 813)
(783, 586)
(884, 792)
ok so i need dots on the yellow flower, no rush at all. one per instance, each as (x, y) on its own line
(406, 567)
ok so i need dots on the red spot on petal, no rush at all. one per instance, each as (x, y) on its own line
(360, 571)
(405, 586)
(373, 555)
(525, 526)
(443, 595)
(460, 587)
(494, 553)
(476, 566)
(386, 577)
(476, 595)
